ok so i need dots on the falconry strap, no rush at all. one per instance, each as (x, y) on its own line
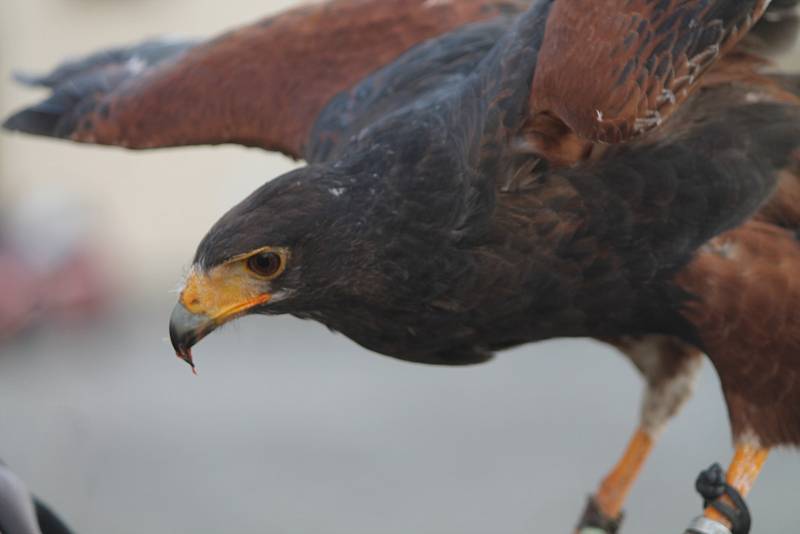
(711, 485)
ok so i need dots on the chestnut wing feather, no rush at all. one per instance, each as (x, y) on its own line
(614, 69)
(261, 85)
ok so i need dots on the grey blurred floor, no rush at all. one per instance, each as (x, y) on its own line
(290, 429)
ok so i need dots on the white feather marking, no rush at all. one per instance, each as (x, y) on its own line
(749, 438)
(283, 294)
(135, 65)
(665, 398)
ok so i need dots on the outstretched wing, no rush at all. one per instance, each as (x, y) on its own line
(613, 69)
(262, 85)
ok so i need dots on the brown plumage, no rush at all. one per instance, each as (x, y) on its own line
(484, 174)
(644, 61)
(748, 281)
(263, 85)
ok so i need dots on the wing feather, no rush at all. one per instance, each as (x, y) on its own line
(614, 69)
(261, 85)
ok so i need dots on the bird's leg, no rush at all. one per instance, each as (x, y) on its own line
(615, 487)
(603, 513)
(742, 473)
(670, 369)
(724, 499)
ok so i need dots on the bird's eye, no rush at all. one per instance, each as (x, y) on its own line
(266, 264)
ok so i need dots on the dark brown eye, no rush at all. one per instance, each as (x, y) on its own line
(265, 264)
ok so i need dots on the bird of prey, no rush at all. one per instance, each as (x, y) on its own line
(487, 173)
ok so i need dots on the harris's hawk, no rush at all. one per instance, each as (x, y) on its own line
(487, 173)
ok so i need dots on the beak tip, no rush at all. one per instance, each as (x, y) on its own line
(186, 329)
(186, 355)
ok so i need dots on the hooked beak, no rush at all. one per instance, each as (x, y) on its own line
(207, 302)
(186, 329)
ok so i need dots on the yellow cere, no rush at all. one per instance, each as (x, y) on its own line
(227, 289)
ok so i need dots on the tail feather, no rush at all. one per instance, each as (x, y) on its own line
(789, 82)
(777, 31)
(778, 7)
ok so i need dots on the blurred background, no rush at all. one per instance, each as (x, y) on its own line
(287, 428)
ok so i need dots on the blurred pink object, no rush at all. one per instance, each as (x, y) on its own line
(48, 265)
(19, 294)
(78, 288)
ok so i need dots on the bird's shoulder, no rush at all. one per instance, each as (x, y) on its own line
(412, 86)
